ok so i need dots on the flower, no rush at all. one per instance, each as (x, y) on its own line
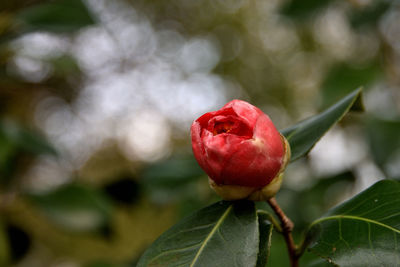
(242, 152)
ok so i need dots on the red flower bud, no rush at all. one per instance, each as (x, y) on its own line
(241, 151)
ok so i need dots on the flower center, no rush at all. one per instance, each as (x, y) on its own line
(223, 127)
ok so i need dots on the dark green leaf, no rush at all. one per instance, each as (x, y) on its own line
(319, 263)
(363, 231)
(265, 239)
(223, 234)
(305, 134)
(107, 264)
(56, 16)
(75, 207)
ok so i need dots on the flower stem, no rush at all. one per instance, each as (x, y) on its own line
(287, 228)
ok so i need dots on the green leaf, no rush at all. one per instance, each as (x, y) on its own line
(75, 207)
(265, 227)
(363, 231)
(305, 134)
(319, 263)
(107, 264)
(223, 234)
(56, 16)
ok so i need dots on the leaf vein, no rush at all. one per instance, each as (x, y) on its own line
(173, 251)
(337, 217)
(219, 222)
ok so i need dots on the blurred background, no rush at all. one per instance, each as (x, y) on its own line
(97, 98)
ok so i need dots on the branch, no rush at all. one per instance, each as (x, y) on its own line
(272, 219)
(287, 228)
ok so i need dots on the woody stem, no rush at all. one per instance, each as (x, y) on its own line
(287, 228)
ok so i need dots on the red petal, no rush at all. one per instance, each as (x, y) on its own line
(198, 147)
(218, 150)
(244, 110)
(250, 165)
(265, 130)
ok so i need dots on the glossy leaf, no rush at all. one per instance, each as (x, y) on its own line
(319, 263)
(75, 207)
(305, 134)
(363, 231)
(265, 227)
(223, 234)
(56, 16)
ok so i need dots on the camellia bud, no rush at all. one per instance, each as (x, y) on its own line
(242, 152)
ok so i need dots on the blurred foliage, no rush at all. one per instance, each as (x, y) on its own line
(4, 246)
(55, 16)
(75, 207)
(342, 77)
(368, 15)
(17, 144)
(384, 144)
(19, 242)
(303, 9)
(101, 202)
